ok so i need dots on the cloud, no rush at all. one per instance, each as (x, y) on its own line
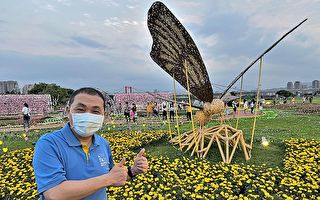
(64, 2)
(111, 3)
(50, 7)
(116, 22)
(87, 42)
(131, 6)
(78, 23)
(87, 15)
(89, 1)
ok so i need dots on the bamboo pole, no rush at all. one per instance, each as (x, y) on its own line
(257, 98)
(220, 149)
(238, 114)
(209, 145)
(189, 96)
(169, 123)
(243, 144)
(176, 110)
(234, 147)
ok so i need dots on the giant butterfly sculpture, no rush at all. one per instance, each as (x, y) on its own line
(176, 53)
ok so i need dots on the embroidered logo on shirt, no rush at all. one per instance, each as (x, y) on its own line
(103, 161)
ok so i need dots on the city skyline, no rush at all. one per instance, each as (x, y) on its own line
(291, 85)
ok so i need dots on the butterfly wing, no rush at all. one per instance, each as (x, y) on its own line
(172, 46)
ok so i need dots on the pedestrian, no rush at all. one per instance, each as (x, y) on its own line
(120, 108)
(252, 105)
(149, 109)
(126, 112)
(189, 110)
(156, 109)
(164, 108)
(234, 106)
(133, 112)
(310, 99)
(76, 163)
(171, 112)
(261, 105)
(26, 117)
(245, 106)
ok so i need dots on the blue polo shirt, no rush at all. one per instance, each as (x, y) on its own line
(59, 156)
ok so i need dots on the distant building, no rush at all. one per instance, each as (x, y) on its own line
(316, 84)
(128, 89)
(297, 85)
(290, 86)
(9, 87)
(26, 88)
(303, 86)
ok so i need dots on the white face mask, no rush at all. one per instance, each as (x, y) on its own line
(86, 124)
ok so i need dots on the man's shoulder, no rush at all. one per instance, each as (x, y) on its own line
(50, 137)
(101, 139)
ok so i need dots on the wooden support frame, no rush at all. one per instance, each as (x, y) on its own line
(201, 140)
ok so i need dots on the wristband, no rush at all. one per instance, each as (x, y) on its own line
(130, 172)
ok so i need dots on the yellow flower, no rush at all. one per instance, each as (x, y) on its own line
(5, 149)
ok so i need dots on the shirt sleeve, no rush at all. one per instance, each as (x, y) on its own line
(48, 168)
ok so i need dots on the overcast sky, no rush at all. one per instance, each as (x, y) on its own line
(106, 43)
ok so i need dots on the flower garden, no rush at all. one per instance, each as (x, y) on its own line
(176, 175)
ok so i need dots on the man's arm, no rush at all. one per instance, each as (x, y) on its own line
(82, 188)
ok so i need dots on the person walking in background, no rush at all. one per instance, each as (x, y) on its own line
(133, 112)
(252, 104)
(234, 106)
(261, 105)
(149, 109)
(126, 112)
(245, 106)
(310, 99)
(26, 117)
(189, 110)
(156, 109)
(119, 108)
(171, 112)
(164, 110)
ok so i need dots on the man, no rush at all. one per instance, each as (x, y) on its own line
(76, 163)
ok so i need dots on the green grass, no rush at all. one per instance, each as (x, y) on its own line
(284, 126)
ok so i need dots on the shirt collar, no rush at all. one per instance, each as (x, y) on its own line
(72, 140)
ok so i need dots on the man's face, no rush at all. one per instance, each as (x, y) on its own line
(86, 103)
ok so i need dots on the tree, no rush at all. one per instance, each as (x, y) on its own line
(58, 94)
(284, 93)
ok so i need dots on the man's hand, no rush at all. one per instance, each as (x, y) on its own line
(140, 164)
(118, 174)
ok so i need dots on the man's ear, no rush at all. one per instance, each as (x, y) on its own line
(67, 109)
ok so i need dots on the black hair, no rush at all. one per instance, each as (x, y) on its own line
(26, 105)
(87, 90)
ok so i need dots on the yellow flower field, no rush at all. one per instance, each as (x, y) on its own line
(185, 178)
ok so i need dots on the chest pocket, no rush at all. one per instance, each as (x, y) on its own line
(101, 162)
